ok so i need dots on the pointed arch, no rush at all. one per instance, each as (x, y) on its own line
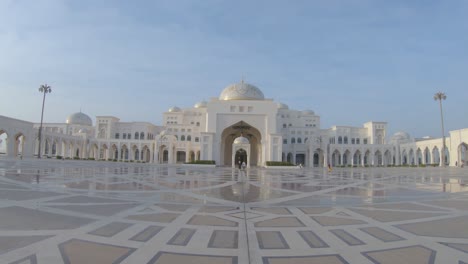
(357, 159)
(462, 154)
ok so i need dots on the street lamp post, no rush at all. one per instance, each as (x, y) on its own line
(439, 97)
(43, 89)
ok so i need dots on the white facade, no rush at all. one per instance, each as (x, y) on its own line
(208, 131)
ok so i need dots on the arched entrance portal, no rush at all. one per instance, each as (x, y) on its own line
(236, 130)
(241, 156)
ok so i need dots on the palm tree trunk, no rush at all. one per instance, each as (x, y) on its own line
(443, 133)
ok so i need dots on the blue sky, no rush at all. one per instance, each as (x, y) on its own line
(349, 61)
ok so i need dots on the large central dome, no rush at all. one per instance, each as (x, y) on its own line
(79, 119)
(241, 91)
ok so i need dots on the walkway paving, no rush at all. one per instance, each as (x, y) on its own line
(106, 212)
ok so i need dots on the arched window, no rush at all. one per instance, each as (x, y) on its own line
(285, 141)
(290, 125)
(299, 141)
(117, 135)
(357, 141)
(365, 141)
(129, 136)
(124, 136)
(198, 123)
(137, 136)
(197, 139)
(353, 141)
(142, 135)
(102, 133)
(189, 138)
(340, 140)
(182, 138)
(345, 140)
(293, 140)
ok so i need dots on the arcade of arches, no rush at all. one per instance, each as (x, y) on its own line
(19, 139)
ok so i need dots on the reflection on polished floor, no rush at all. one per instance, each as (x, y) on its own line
(107, 212)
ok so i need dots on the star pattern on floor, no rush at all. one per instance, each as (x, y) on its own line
(105, 212)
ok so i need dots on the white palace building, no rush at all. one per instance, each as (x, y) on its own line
(239, 125)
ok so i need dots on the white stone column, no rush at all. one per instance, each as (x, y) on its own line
(10, 142)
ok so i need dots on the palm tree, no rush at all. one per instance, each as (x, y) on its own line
(43, 89)
(439, 97)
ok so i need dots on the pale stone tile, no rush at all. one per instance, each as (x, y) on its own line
(20, 195)
(27, 260)
(412, 254)
(273, 210)
(8, 243)
(147, 233)
(103, 210)
(393, 216)
(315, 210)
(223, 239)
(336, 221)
(271, 240)
(312, 239)
(182, 237)
(280, 222)
(459, 246)
(19, 218)
(110, 229)
(174, 207)
(209, 220)
(86, 199)
(326, 259)
(172, 258)
(216, 209)
(451, 227)
(159, 217)
(80, 251)
(347, 237)
(456, 204)
(381, 234)
(404, 206)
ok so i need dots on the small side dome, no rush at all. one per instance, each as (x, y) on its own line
(308, 112)
(79, 119)
(174, 109)
(201, 104)
(282, 106)
(241, 140)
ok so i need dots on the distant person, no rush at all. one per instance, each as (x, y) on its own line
(243, 165)
(240, 165)
(329, 167)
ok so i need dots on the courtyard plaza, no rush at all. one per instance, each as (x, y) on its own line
(70, 211)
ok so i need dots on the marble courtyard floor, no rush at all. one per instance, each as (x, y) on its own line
(106, 212)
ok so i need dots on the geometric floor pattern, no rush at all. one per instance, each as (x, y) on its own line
(107, 212)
